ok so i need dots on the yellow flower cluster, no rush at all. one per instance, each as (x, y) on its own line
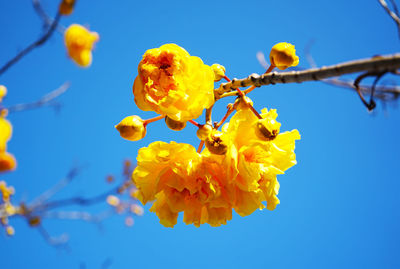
(207, 186)
(238, 168)
(173, 83)
(7, 160)
(80, 42)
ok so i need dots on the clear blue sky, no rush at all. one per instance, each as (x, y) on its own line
(340, 204)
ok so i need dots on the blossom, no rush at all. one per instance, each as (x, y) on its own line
(132, 128)
(79, 42)
(219, 71)
(173, 83)
(283, 55)
(7, 160)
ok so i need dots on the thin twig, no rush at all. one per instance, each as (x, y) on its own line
(46, 100)
(35, 44)
(382, 63)
(47, 20)
(392, 14)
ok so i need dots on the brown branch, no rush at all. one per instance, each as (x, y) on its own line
(47, 20)
(377, 64)
(32, 46)
(46, 100)
(392, 14)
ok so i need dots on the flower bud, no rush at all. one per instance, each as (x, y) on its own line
(34, 221)
(7, 162)
(113, 200)
(219, 71)
(241, 103)
(283, 55)
(216, 142)
(174, 124)
(267, 129)
(66, 7)
(3, 92)
(131, 128)
(204, 131)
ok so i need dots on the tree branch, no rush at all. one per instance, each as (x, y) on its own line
(35, 44)
(387, 63)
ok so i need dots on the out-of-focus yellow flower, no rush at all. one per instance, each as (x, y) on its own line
(131, 128)
(66, 7)
(219, 71)
(173, 83)
(137, 209)
(3, 92)
(113, 200)
(10, 231)
(283, 55)
(5, 191)
(79, 42)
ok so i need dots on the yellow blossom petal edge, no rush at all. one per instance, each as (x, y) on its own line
(173, 83)
(79, 42)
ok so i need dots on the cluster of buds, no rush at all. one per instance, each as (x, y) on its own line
(239, 165)
(7, 209)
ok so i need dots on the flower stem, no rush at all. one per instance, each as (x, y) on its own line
(153, 120)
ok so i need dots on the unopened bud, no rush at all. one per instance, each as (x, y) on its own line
(204, 131)
(174, 124)
(131, 128)
(7, 162)
(219, 71)
(66, 7)
(34, 221)
(283, 55)
(267, 129)
(216, 143)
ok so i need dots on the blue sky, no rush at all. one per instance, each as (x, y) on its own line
(339, 205)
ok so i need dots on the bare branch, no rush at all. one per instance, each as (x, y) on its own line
(32, 46)
(392, 14)
(47, 20)
(46, 100)
(377, 64)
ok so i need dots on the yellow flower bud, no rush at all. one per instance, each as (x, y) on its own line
(219, 71)
(267, 129)
(3, 92)
(241, 103)
(132, 128)
(204, 131)
(216, 142)
(283, 55)
(7, 162)
(174, 124)
(10, 231)
(66, 7)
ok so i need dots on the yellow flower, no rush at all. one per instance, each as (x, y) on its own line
(5, 191)
(3, 92)
(132, 128)
(10, 231)
(66, 7)
(113, 200)
(173, 83)
(79, 42)
(259, 160)
(283, 55)
(240, 175)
